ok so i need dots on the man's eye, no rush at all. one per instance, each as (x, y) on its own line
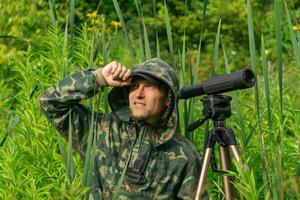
(133, 86)
(150, 85)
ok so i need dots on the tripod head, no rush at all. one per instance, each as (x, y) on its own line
(215, 107)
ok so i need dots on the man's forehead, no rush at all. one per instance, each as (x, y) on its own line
(158, 84)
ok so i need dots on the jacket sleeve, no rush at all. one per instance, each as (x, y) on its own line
(190, 181)
(62, 100)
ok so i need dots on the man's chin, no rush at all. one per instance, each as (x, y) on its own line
(138, 117)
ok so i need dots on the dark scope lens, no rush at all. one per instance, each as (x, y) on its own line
(249, 77)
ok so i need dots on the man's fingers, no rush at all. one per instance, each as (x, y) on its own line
(114, 67)
(125, 83)
(122, 73)
(117, 75)
(127, 75)
(106, 71)
(118, 71)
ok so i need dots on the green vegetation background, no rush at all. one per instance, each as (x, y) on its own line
(42, 41)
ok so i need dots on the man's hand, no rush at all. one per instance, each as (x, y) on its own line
(116, 75)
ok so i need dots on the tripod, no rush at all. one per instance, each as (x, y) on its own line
(217, 108)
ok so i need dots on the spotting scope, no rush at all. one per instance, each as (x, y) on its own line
(219, 84)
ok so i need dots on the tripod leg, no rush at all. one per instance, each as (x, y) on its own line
(235, 153)
(230, 192)
(203, 173)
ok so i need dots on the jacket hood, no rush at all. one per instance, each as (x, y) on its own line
(118, 98)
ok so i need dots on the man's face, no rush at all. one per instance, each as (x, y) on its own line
(147, 101)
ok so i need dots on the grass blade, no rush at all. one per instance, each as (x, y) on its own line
(146, 40)
(65, 50)
(278, 48)
(253, 65)
(53, 12)
(14, 37)
(188, 104)
(90, 155)
(13, 122)
(61, 148)
(266, 81)
(183, 75)
(267, 96)
(191, 107)
(183, 45)
(142, 49)
(236, 103)
(253, 57)
(72, 25)
(119, 13)
(156, 32)
(195, 77)
(215, 51)
(157, 46)
(293, 37)
(200, 43)
(92, 43)
(145, 34)
(70, 162)
(169, 34)
(181, 104)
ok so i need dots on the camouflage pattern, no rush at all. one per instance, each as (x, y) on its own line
(162, 164)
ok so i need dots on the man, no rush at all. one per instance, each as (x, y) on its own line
(140, 135)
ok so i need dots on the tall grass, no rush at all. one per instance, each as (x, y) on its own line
(169, 34)
(118, 10)
(156, 32)
(145, 39)
(38, 164)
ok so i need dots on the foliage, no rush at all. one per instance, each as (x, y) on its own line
(21, 19)
(35, 161)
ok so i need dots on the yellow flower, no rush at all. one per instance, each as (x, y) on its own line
(116, 24)
(98, 22)
(90, 29)
(296, 27)
(92, 15)
(101, 62)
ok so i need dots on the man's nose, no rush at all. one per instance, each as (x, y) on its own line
(140, 91)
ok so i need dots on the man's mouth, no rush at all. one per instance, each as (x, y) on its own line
(137, 103)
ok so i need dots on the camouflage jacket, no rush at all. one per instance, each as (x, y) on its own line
(162, 164)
